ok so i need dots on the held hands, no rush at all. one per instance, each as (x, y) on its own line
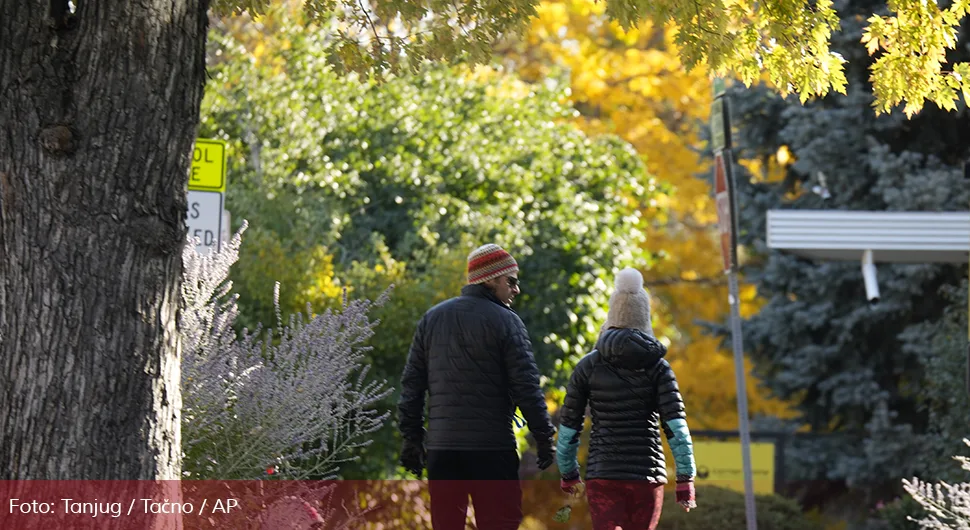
(572, 485)
(413, 456)
(546, 456)
(685, 494)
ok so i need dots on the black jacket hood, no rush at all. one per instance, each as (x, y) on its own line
(630, 348)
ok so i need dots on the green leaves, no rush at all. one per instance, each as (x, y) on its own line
(562, 514)
(784, 41)
(439, 160)
(816, 340)
(961, 74)
(914, 45)
(358, 183)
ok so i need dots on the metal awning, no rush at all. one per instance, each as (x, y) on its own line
(898, 237)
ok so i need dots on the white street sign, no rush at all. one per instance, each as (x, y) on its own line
(226, 227)
(205, 220)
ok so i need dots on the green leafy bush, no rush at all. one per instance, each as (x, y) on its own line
(418, 166)
(895, 515)
(724, 508)
(360, 184)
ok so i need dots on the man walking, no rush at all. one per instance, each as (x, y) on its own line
(472, 356)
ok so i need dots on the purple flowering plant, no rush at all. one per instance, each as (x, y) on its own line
(295, 398)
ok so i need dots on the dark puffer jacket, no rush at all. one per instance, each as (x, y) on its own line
(632, 393)
(472, 356)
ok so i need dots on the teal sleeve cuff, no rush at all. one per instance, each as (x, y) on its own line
(682, 448)
(566, 448)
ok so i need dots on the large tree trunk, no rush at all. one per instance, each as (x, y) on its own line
(98, 112)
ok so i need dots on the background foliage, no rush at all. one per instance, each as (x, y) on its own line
(787, 41)
(367, 183)
(878, 380)
(723, 508)
(361, 184)
(632, 84)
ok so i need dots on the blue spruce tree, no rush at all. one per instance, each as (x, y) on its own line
(877, 382)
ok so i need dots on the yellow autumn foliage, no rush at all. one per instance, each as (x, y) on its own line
(632, 84)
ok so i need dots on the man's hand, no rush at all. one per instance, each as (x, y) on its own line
(413, 456)
(685, 494)
(546, 455)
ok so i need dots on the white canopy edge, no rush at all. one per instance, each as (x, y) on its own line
(893, 237)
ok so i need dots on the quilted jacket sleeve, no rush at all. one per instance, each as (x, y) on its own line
(523, 378)
(414, 387)
(573, 411)
(673, 417)
(573, 414)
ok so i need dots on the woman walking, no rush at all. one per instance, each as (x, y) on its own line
(632, 394)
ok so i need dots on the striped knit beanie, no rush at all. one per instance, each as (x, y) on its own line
(489, 261)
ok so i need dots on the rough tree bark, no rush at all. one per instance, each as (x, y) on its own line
(99, 106)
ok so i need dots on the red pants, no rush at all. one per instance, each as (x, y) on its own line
(490, 478)
(631, 505)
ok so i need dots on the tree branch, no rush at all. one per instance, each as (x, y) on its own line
(377, 38)
(676, 280)
(709, 281)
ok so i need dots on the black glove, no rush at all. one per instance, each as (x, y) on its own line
(413, 456)
(546, 456)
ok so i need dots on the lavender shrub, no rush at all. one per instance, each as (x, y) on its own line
(292, 402)
(947, 505)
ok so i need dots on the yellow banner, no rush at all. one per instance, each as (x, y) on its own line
(719, 464)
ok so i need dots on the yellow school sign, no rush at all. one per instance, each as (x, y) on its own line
(206, 218)
(208, 172)
(719, 464)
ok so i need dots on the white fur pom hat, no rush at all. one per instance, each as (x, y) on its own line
(630, 304)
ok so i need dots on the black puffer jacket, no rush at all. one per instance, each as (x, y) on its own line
(473, 357)
(630, 389)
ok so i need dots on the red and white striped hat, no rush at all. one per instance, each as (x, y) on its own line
(489, 261)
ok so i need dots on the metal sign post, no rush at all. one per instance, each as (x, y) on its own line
(727, 209)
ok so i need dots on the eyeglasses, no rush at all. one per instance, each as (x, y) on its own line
(513, 281)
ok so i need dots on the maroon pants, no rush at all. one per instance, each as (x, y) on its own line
(631, 505)
(490, 478)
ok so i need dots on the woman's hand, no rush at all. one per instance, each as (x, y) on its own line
(685, 494)
(572, 485)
